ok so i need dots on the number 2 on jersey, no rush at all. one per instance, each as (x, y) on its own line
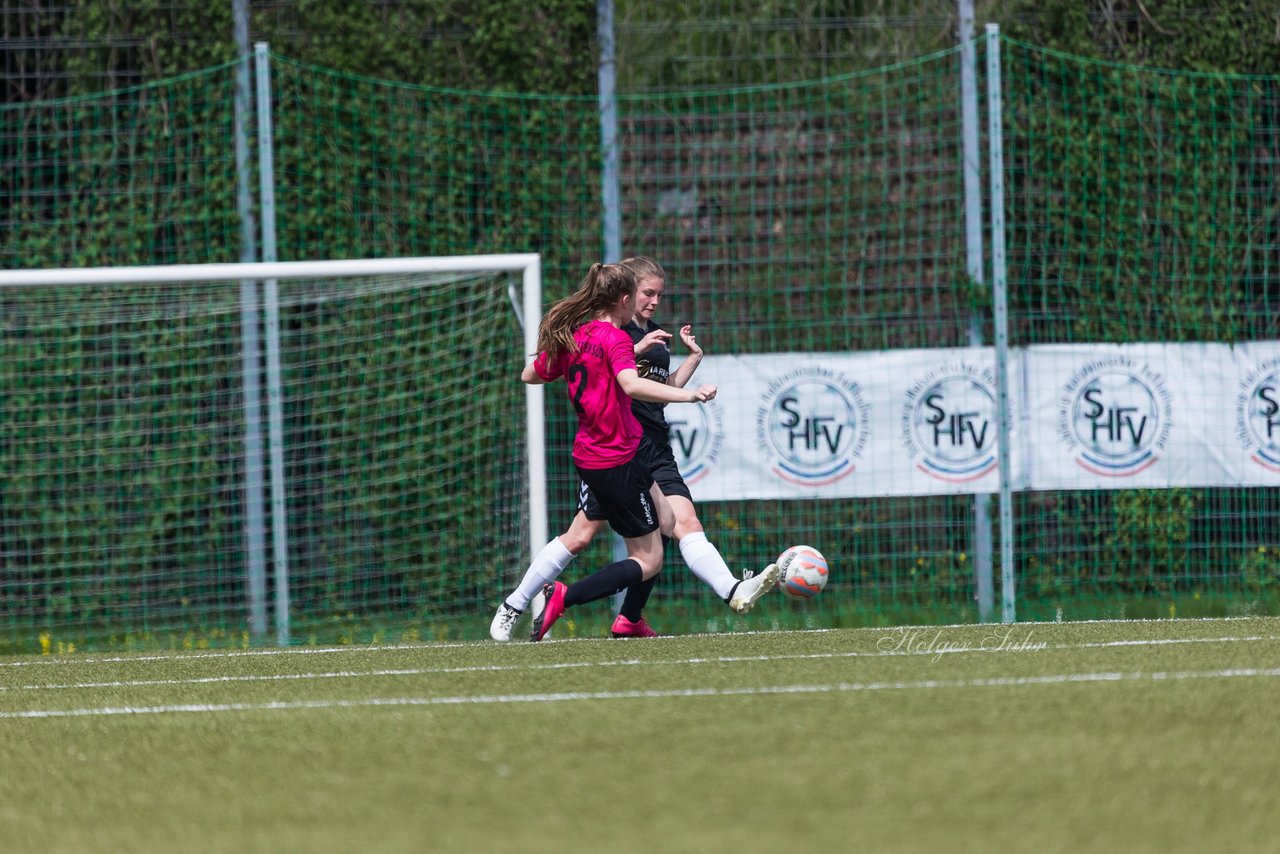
(576, 377)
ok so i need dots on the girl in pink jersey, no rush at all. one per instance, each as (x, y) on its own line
(653, 359)
(581, 339)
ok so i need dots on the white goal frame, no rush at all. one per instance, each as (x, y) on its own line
(261, 306)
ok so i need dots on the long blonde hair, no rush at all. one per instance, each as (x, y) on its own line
(601, 289)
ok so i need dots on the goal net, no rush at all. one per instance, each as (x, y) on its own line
(205, 454)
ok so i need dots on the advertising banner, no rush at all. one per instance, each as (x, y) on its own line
(924, 422)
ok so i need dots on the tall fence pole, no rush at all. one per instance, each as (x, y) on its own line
(999, 284)
(250, 358)
(271, 326)
(980, 538)
(610, 171)
(610, 180)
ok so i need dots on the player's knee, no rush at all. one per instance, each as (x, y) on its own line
(650, 565)
(686, 525)
(646, 551)
(575, 540)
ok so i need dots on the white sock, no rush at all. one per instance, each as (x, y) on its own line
(547, 565)
(705, 562)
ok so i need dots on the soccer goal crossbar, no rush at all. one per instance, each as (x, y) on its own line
(526, 263)
(461, 301)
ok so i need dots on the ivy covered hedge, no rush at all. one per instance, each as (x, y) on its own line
(1122, 228)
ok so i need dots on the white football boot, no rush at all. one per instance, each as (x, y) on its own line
(503, 622)
(752, 587)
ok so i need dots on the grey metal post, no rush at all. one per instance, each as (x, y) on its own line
(980, 540)
(999, 283)
(271, 305)
(610, 172)
(610, 194)
(254, 523)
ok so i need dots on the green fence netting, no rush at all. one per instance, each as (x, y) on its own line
(1143, 208)
(822, 216)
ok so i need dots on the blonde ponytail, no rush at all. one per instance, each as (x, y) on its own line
(602, 288)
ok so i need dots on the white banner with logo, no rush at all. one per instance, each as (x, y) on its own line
(923, 422)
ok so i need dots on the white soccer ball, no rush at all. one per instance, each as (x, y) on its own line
(804, 572)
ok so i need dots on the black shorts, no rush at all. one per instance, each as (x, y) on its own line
(621, 495)
(662, 465)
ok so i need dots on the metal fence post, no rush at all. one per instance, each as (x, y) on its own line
(271, 326)
(999, 284)
(981, 535)
(254, 520)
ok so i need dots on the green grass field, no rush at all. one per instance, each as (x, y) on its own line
(1050, 737)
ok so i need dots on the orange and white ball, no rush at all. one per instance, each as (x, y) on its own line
(804, 572)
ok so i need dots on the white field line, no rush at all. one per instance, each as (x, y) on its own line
(922, 648)
(332, 650)
(498, 699)
(63, 661)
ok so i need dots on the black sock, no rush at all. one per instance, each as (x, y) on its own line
(604, 582)
(637, 597)
(638, 594)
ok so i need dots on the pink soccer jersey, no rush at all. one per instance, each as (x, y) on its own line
(608, 434)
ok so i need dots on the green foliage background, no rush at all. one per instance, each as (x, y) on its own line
(385, 146)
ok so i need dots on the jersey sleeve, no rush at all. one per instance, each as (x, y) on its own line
(544, 368)
(621, 353)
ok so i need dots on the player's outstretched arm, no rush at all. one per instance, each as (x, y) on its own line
(684, 373)
(640, 388)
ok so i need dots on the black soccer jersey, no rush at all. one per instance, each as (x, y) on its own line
(653, 364)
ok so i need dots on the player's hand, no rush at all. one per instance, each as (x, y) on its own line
(657, 336)
(703, 393)
(686, 335)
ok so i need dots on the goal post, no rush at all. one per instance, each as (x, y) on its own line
(129, 440)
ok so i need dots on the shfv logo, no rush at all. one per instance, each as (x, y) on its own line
(949, 423)
(697, 435)
(1114, 415)
(812, 426)
(1258, 414)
